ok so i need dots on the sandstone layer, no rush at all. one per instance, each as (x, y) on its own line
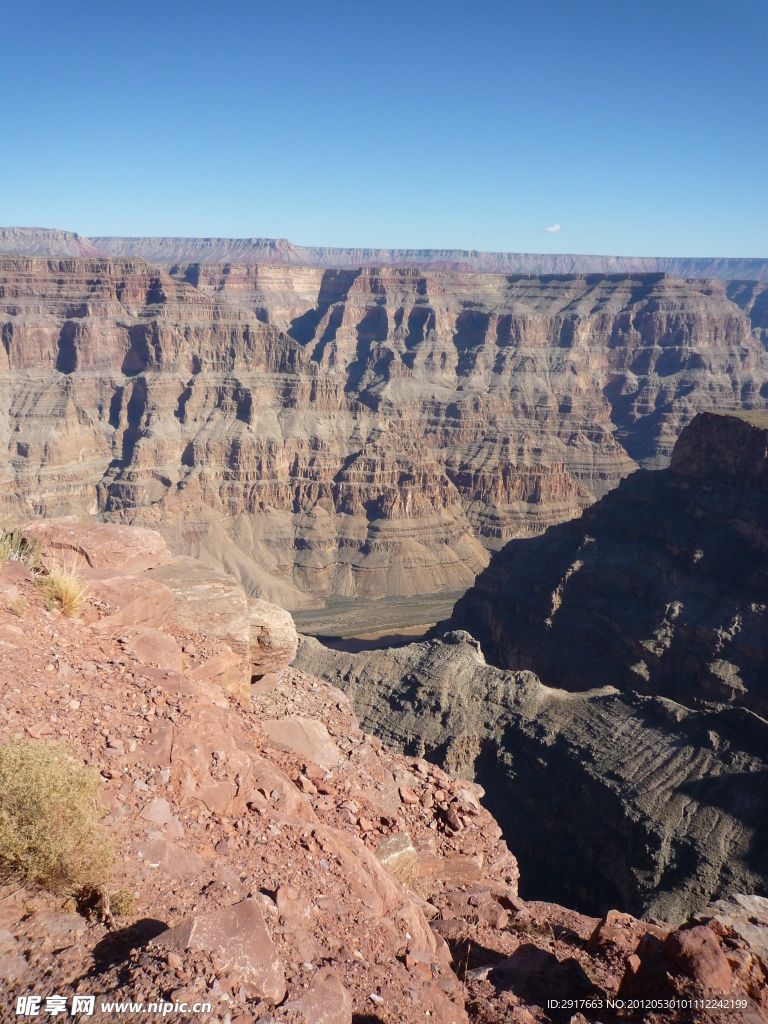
(286, 866)
(50, 242)
(335, 434)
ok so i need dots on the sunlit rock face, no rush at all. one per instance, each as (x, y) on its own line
(340, 433)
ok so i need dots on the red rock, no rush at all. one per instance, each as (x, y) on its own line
(150, 646)
(239, 938)
(158, 812)
(293, 908)
(273, 638)
(306, 786)
(303, 736)
(102, 547)
(327, 1001)
(453, 819)
(408, 796)
(697, 952)
(169, 857)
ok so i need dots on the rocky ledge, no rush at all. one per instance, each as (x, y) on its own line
(287, 866)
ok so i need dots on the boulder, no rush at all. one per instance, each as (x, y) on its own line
(273, 638)
(327, 1001)
(100, 547)
(697, 952)
(305, 736)
(241, 942)
(168, 857)
(398, 855)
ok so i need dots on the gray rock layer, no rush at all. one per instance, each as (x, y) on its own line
(607, 798)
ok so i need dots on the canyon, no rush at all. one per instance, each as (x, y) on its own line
(325, 435)
(606, 684)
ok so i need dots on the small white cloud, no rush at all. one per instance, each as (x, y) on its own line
(553, 230)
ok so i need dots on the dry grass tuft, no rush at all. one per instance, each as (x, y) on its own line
(64, 587)
(18, 607)
(122, 903)
(50, 831)
(15, 547)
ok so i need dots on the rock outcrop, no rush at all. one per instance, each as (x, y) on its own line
(660, 588)
(364, 432)
(295, 873)
(608, 799)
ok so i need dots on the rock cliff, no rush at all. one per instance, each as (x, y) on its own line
(282, 865)
(367, 432)
(661, 587)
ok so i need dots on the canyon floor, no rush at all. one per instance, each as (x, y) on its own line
(286, 865)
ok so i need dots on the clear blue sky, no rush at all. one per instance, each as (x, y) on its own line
(641, 128)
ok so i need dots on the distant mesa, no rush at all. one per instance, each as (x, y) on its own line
(55, 243)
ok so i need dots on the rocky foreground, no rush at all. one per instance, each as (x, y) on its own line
(362, 432)
(287, 866)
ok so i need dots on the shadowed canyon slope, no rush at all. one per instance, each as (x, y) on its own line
(661, 587)
(634, 772)
(355, 432)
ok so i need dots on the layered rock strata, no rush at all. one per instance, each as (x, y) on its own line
(608, 799)
(285, 866)
(50, 242)
(641, 744)
(334, 434)
(660, 588)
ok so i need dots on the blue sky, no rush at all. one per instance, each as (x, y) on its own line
(640, 128)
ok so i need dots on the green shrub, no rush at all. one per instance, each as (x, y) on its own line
(50, 831)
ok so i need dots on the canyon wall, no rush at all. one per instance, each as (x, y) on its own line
(340, 433)
(630, 769)
(608, 799)
(660, 587)
(51, 242)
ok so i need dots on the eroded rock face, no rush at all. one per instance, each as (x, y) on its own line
(661, 587)
(608, 799)
(352, 432)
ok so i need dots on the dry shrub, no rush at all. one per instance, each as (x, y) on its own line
(64, 587)
(50, 831)
(16, 547)
(122, 903)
